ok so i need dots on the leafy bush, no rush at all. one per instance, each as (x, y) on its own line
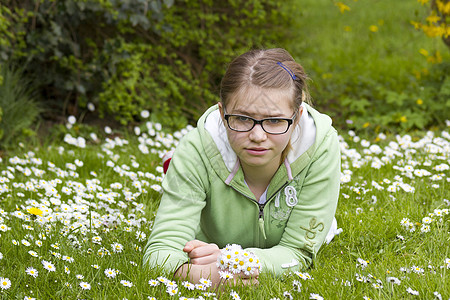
(126, 56)
(18, 110)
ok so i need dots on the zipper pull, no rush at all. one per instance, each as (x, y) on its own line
(261, 227)
(261, 211)
(261, 220)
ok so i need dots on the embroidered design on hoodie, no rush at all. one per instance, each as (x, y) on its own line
(310, 233)
(281, 213)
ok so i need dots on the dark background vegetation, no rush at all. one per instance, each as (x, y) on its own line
(370, 68)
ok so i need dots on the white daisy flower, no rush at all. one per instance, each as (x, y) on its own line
(32, 272)
(315, 296)
(412, 292)
(126, 283)
(48, 266)
(111, 273)
(205, 282)
(85, 285)
(235, 295)
(188, 285)
(33, 253)
(5, 283)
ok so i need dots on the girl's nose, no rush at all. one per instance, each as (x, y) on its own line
(257, 134)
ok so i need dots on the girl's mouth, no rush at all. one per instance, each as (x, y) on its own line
(257, 151)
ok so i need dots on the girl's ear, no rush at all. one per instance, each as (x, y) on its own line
(299, 115)
(221, 111)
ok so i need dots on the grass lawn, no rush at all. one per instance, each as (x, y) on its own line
(98, 204)
(75, 215)
(363, 54)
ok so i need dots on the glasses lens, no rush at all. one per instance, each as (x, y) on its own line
(275, 126)
(240, 123)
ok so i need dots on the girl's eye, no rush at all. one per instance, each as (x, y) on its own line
(274, 121)
(243, 119)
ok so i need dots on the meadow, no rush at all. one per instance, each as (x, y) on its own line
(76, 215)
(77, 206)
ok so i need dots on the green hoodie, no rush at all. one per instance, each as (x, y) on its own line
(205, 197)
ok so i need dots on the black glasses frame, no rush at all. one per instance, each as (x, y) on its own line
(255, 121)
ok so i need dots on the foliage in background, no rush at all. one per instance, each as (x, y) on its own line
(371, 69)
(126, 56)
(18, 109)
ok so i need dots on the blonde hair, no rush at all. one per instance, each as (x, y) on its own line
(266, 69)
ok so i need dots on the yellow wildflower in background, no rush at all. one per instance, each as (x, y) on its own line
(342, 7)
(419, 101)
(444, 8)
(347, 28)
(423, 2)
(433, 19)
(423, 52)
(373, 28)
(367, 124)
(35, 211)
(403, 119)
(436, 58)
(416, 25)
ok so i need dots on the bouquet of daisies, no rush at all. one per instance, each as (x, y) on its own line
(234, 259)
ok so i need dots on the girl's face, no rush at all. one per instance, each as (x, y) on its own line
(257, 148)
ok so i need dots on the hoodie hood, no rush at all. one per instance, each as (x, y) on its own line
(307, 135)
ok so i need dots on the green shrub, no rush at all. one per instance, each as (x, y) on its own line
(18, 110)
(126, 56)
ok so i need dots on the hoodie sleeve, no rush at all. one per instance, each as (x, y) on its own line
(178, 216)
(311, 218)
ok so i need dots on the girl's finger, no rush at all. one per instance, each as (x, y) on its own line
(192, 245)
(204, 260)
(205, 250)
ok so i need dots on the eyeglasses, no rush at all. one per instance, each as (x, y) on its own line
(243, 123)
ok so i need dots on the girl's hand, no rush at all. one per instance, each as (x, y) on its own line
(203, 263)
(194, 273)
(201, 253)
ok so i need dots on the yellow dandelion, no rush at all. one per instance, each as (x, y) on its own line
(423, 52)
(347, 28)
(35, 211)
(373, 28)
(365, 125)
(419, 101)
(423, 2)
(403, 119)
(342, 7)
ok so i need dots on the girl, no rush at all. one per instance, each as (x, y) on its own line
(262, 169)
